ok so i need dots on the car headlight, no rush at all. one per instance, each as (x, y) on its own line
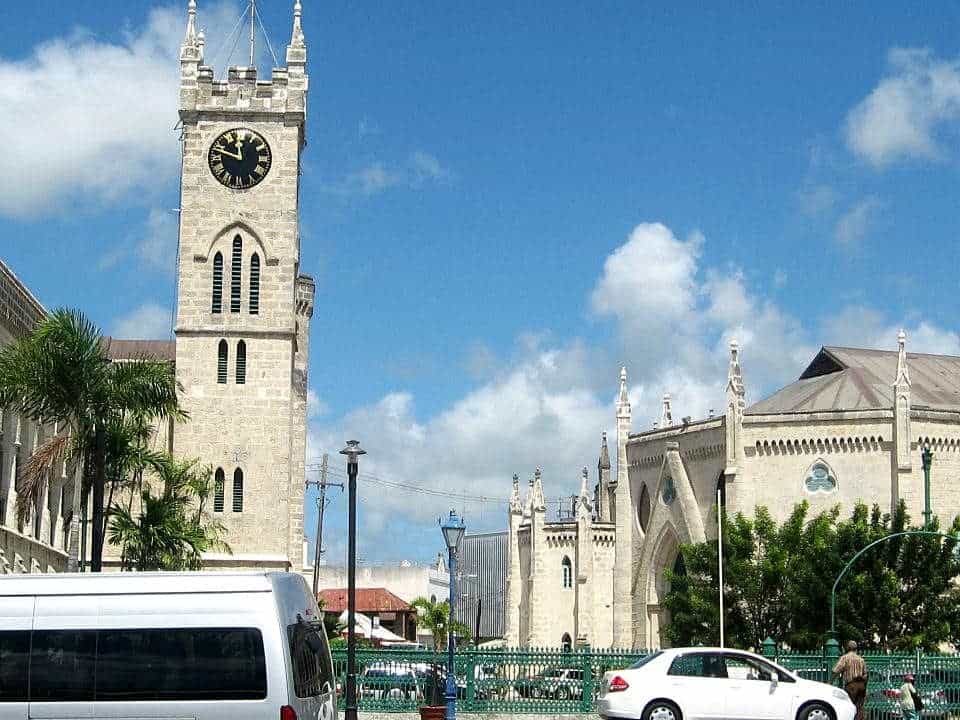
(840, 694)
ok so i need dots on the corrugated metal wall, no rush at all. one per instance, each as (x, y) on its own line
(482, 583)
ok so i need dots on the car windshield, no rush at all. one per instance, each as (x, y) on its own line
(643, 661)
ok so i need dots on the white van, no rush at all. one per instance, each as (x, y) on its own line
(216, 646)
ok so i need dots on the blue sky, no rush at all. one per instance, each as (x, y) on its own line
(503, 202)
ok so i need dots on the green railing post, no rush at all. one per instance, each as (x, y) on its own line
(769, 648)
(471, 670)
(831, 654)
(586, 701)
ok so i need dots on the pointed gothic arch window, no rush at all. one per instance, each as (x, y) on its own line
(820, 478)
(218, 487)
(567, 568)
(241, 378)
(643, 508)
(222, 362)
(566, 643)
(217, 304)
(255, 284)
(236, 274)
(238, 490)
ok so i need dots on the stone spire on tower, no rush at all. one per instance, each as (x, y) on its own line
(585, 490)
(733, 417)
(190, 39)
(296, 39)
(901, 406)
(516, 506)
(666, 414)
(903, 371)
(604, 453)
(537, 502)
(622, 513)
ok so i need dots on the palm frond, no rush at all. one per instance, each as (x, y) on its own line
(35, 473)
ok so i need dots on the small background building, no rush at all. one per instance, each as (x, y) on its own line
(379, 604)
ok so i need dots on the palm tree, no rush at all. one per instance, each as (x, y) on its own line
(60, 374)
(171, 530)
(435, 617)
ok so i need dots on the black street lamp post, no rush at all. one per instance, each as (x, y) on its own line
(353, 451)
(927, 457)
(453, 529)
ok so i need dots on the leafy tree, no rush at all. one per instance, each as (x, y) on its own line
(61, 375)
(331, 623)
(435, 616)
(171, 531)
(778, 579)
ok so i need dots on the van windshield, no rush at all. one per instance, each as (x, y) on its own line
(310, 659)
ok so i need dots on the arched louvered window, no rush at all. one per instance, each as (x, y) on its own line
(218, 488)
(567, 573)
(217, 305)
(255, 285)
(566, 643)
(222, 362)
(238, 490)
(241, 362)
(236, 268)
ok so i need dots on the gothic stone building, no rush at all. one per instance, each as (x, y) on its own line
(242, 322)
(850, 429)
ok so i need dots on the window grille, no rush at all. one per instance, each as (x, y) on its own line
(218, 484)
(236, 267)
(222, 363)
(217, 284)
(241, 362)
(238, 490)
(255, 285)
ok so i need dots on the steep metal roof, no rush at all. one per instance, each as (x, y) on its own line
(140, 349)
(842, 378)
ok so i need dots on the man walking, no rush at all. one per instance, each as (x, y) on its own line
(852, 668)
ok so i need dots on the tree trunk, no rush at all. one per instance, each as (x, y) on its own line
(73, 561)
(99, 481)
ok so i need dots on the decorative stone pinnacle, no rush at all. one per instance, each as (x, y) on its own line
(903, 370)
(666, 414)
(516, 507)
(623, 399)
(604, 452)
(296, 39)
(191, 37)
(734, 374)
(537, 502)
(585, 490)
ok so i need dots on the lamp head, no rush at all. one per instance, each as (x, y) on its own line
(353, 451)
(453, 529)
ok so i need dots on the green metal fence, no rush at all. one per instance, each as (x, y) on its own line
(551, 681)
(496, 681)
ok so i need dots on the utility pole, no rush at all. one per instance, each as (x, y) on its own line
(322, 484)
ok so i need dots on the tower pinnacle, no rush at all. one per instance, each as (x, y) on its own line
(296, 39)
(190, 39)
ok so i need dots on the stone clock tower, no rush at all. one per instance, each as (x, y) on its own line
(244, 307)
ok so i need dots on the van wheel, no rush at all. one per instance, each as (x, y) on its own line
(816, 711)
(663, 710)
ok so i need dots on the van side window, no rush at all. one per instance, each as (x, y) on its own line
(14, 662)
(188, 664)
(62, 665)
(310, 657)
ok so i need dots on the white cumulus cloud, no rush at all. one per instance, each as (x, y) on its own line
(903, 116)
(854, 225)
(147, 322)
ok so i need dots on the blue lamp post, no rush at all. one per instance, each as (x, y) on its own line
(453, 529)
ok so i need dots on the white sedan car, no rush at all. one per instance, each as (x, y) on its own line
(716, 684)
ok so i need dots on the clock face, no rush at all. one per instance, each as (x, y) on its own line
(239, 158)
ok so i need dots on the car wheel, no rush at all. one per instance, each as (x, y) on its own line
(563, 694)
(662, 710)
(816, 711)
